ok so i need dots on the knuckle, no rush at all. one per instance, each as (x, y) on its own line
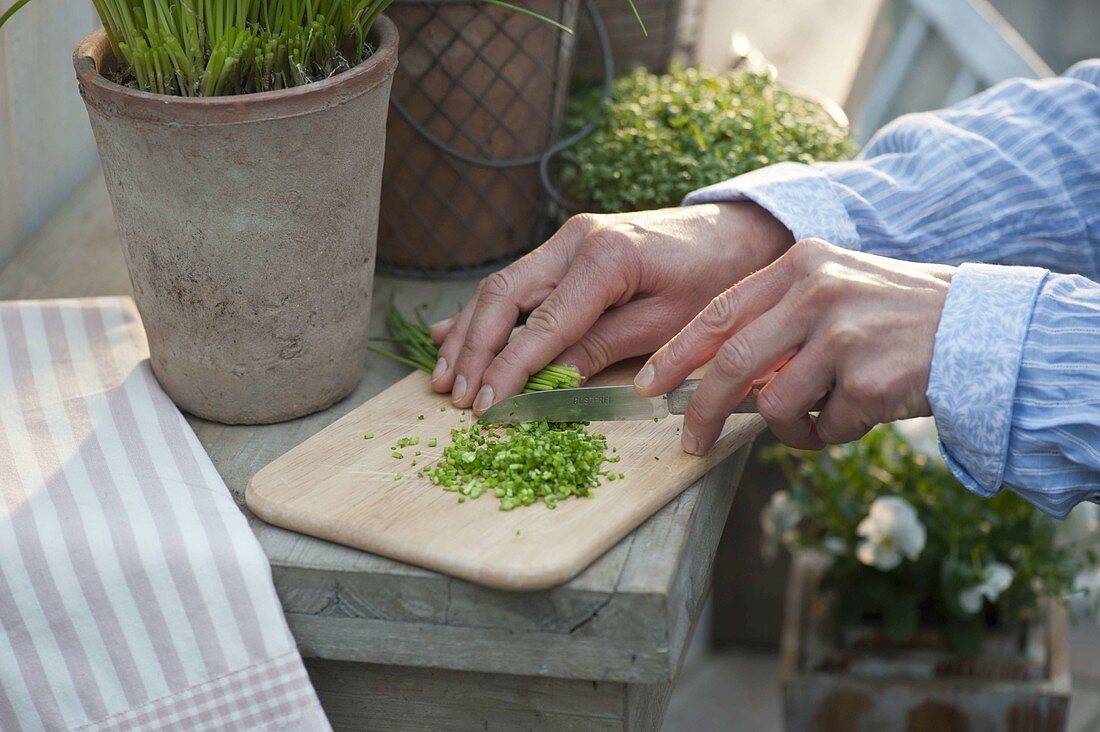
(773, 406)
(809, 250)
(596, 353)
(697, 414)
(506, 360)
(676, 352)
(836, 429)
(546, 319)
(720, 312)
(868, 392)
(606, 245)
(579, 223)
(467, 353)
(844, 337)
(497, 286)
(829, 431)
(734, 359)
(822, 285)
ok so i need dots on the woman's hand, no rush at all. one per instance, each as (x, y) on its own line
(604, 288)
(855, 327)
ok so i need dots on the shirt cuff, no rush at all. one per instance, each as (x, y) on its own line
(975, 365)
(800, 196)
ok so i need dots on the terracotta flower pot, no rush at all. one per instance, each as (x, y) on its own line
(249, 225)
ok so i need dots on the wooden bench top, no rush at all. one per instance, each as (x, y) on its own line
(626, 618)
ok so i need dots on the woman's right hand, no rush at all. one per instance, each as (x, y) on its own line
(602, 289)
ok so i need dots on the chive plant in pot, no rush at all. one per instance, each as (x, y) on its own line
(913, 603)
(242, 143)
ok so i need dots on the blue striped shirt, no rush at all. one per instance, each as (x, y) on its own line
(1007, 185)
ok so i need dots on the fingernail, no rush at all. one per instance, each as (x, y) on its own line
(484, 399)
(690, 442)
(444, 323)
(440, 368)
(458, 391)
(645, 377)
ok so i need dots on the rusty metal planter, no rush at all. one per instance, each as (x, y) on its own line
(249, 227)
(867, 684)
(478, 87)
(670, 27)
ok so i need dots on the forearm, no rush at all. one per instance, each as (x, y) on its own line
(1011, 176)
(1015, 384)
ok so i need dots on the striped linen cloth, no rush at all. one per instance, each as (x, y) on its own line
(133, 594)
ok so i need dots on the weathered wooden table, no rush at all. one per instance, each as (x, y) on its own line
(391, 646)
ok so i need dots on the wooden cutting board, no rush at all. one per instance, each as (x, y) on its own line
(340, 487)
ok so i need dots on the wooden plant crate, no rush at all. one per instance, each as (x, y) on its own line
(854, 681)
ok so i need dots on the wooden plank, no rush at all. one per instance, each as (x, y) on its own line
(353, 491)
(985, 43)
(895, 67)
(964, 85)
(359, 697)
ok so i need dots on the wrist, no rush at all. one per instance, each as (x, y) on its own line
(755, 231)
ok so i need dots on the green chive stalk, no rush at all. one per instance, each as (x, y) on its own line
(421, 352)
(204, 48)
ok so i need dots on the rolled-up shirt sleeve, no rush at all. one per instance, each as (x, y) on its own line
(1015, 384)
(1008, 177)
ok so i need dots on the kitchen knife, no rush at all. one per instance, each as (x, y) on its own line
(604, 404)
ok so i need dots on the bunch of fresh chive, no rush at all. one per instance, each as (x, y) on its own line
(421, 352)
(524, 463)
(220, 47)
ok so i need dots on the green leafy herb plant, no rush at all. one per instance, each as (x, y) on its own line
(911, 548)
(661, 137)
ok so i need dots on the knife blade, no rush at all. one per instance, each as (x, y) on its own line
(602, 404)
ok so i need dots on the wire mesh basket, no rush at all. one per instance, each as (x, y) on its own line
(478, 98)
(631, 47)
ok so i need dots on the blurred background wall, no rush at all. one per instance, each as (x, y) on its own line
(46, 146)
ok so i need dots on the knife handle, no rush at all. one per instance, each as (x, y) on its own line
(679, 397)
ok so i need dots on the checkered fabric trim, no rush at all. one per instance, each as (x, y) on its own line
(274, 695)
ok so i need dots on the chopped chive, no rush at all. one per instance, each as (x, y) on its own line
(396, 454)
(432, 442)
(368, 436)
(421, 417)
(523, 464)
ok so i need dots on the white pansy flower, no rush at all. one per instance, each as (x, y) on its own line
(921, 435)
(996, 578)
(890, 531)
(778, 521)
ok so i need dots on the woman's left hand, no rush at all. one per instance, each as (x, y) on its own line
(854, 327)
